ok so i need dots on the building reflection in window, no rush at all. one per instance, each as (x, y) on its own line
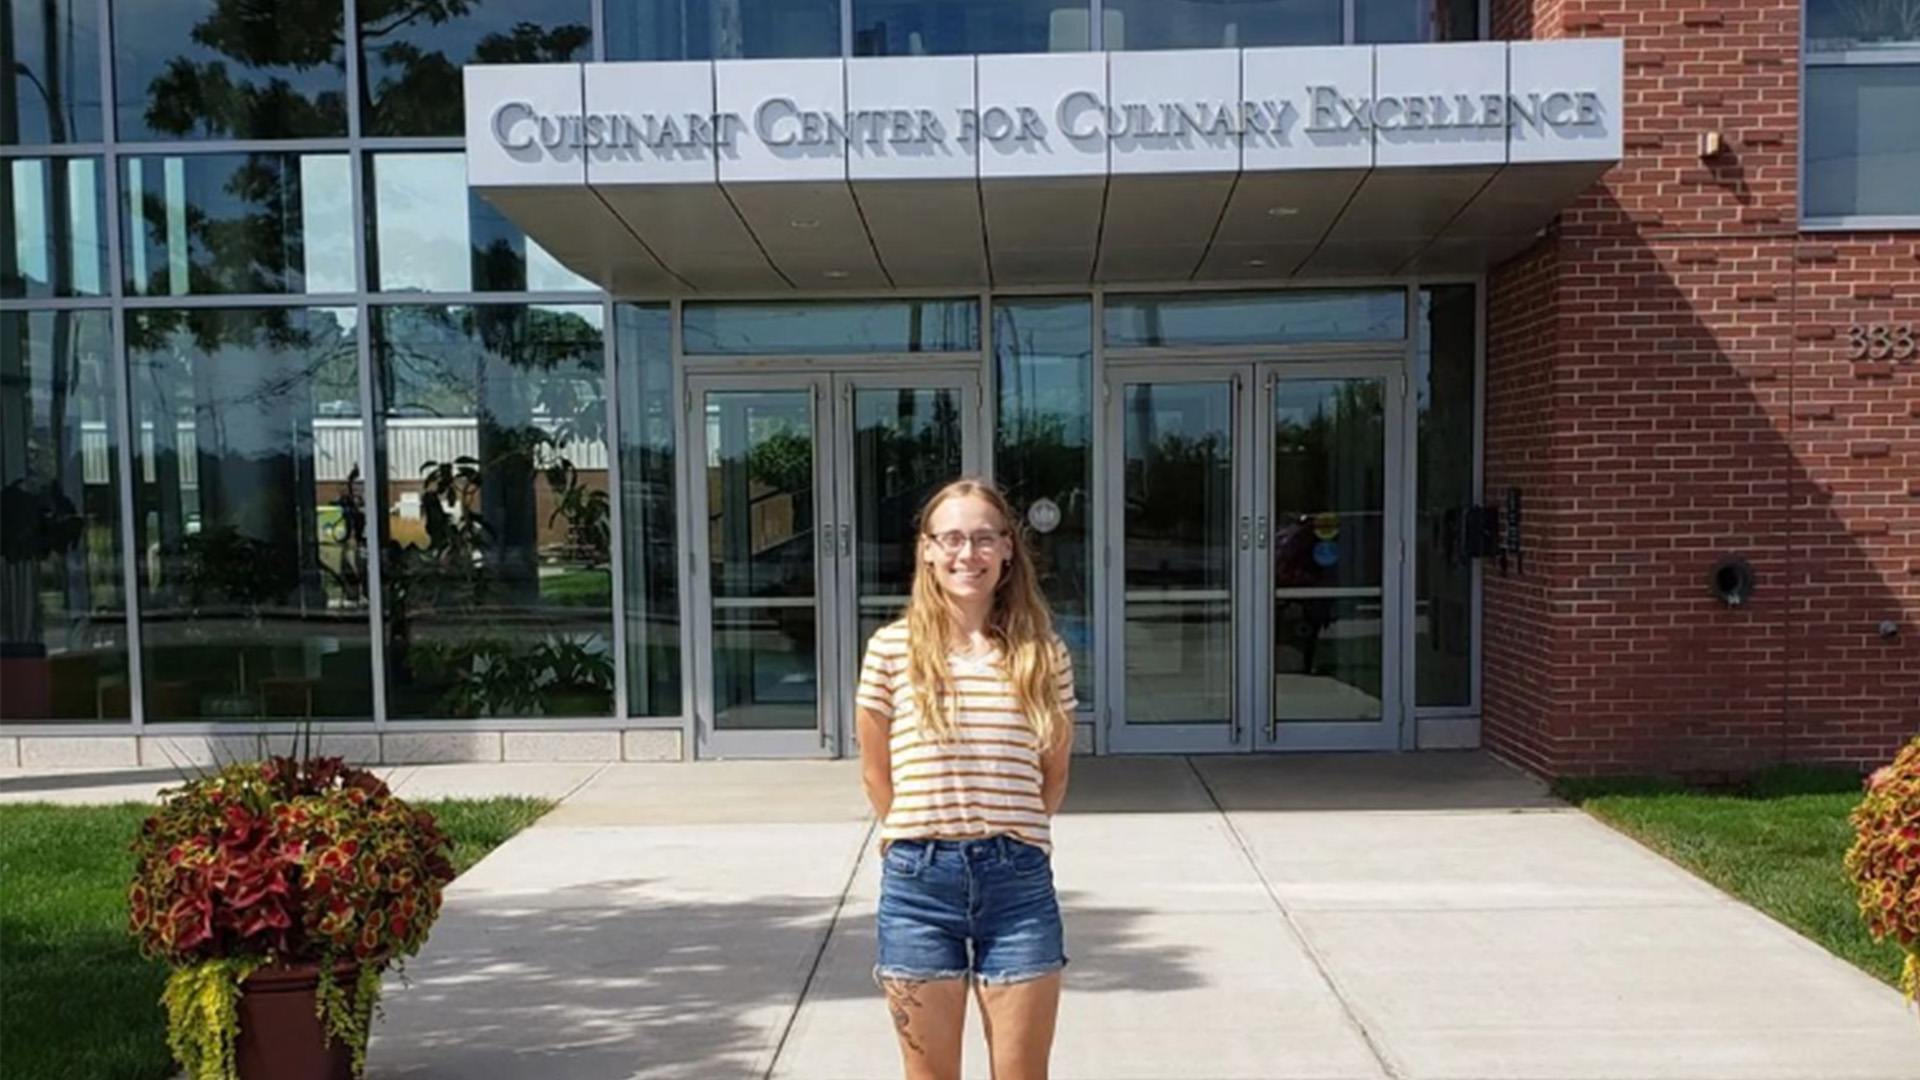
(205, 224)
(251, 516)
(56, 243)
(428, 234)
(958, 27)
(645, 366)
(49, 72)
(1202, 24)
(497, 540)
(63, 640)
(722, 29)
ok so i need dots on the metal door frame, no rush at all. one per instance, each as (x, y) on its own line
(1388, 732)
(1255, 377)
(845, 606)
(709, 742)
(1123, 738)
(838, 650)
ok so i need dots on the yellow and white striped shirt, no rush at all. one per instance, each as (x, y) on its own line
(987, 780)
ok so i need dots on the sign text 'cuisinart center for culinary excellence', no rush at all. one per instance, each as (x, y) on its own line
(1080, 114)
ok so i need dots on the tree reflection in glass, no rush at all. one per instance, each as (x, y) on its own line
(496, 557)
(411, 53)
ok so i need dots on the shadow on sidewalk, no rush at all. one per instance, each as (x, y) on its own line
(625, 979)
(1300, 783)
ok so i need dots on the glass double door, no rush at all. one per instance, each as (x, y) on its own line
(1257, 552)
(805, 486)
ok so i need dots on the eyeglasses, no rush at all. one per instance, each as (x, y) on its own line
(955, 541)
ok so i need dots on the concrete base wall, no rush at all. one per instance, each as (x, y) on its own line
(396, 748)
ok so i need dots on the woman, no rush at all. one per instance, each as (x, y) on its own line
(965, 717)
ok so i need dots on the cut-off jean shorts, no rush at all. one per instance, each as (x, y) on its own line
(951, 909)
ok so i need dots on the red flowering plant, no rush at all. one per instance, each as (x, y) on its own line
(282, 863)
(1884, 861)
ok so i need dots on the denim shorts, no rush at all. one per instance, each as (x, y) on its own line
(984, 908)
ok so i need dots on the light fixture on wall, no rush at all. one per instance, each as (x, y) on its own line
(1283, 211)
(835, 275)
(1712, 144)
(804, 223)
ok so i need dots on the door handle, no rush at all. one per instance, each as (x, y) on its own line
(1260, 535)
(846, 540)
(1245, 529)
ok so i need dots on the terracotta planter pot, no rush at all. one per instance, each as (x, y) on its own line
(281, 1034)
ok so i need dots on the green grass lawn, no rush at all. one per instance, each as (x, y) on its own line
(1776, 844)
(77, 1001)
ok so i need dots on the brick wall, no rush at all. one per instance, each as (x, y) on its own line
(1668, 383)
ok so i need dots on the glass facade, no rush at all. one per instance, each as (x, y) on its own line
(237, 224)
(50, 54)
(249, 527)
(1860, 153)
(1043, 454)
(385, 458)
(63, 612)
(57, 243)
(497, 533)
(1445, 386)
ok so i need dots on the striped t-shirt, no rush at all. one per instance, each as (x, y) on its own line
(984, 782)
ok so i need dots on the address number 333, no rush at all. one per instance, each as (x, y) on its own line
(1883, 341)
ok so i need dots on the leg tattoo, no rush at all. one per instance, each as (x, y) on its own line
(900, 998)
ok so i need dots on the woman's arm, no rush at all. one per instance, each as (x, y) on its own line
(876, 759)
(1053, 771)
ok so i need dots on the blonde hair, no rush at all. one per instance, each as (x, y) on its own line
(1020, 624)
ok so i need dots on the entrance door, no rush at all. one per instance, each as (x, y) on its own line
(805, 489)
(1254, 592)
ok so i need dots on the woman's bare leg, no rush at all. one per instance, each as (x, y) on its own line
(1019, 1019)
(929, 1017)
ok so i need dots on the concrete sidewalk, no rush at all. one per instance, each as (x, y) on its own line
(1421, 916)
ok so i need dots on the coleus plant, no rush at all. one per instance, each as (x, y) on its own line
(1884, 861)
(278, 863)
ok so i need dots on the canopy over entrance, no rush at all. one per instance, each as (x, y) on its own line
(774, 176)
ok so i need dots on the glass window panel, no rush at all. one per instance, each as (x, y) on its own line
(229, 69)
(1208, 24)
(1862, 144)
(722, 29)
(1271, 318)
(50, 72)
(206, 224)
(57, 237)
(643, 353)
(1177, 547)
(424, 241)
(1850, 25)
(493, 480)
(1043, 371)
(1329, 548)
(1443, 385)
(63, 640)
(825, 328)
(251, 515)
(1388, 22)
(958, 27)
(411, 53)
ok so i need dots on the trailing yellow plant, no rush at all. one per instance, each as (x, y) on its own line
(203, 1015)
(1884, 861)
(275, 864)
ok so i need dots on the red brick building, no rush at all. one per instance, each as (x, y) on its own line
(1683, 369)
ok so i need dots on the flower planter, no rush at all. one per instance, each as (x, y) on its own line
(281, 1035)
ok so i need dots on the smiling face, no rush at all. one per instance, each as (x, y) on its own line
(969, 571)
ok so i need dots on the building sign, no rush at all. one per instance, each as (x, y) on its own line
(1053, 115)
(1081, 114)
